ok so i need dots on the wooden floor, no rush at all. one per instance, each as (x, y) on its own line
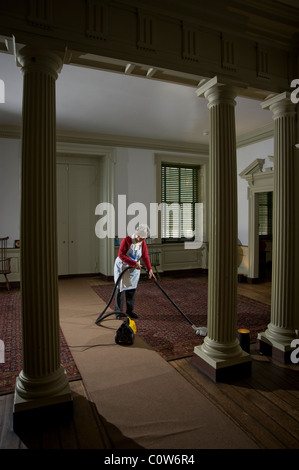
(83, 430)
(265, 406)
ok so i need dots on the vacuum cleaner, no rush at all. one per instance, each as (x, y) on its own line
(126, 332)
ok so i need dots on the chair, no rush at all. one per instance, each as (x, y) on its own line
(154, 257)
(4, 260)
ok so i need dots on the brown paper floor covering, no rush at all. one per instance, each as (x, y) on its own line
(143, 401)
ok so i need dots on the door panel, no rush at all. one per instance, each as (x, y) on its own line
(82, 197)
(62, 219)
(77, 199)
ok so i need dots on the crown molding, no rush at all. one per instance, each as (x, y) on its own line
(10, 132)
(258, 135)
(114, 140)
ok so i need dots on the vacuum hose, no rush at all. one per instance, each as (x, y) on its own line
(102, 316)
(198, 329)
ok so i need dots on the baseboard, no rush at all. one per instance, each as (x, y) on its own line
(13, 285)
(185, 272)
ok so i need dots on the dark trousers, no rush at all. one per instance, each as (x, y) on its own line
(119, 300)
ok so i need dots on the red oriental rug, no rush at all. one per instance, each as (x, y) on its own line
(162, 326)
(11, 339)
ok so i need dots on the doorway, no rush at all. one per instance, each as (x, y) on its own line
(260, 182)
(265, 217)
(77, 197)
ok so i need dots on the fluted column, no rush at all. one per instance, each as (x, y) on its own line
(221, 352)
(281, 329)
(42, 381)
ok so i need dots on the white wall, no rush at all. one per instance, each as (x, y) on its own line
(10, 189)
(245, 156)
(135, 176)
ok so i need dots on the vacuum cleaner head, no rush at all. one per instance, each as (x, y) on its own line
(126, 332)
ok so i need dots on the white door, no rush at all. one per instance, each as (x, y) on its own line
(77, 191)
(62, 219)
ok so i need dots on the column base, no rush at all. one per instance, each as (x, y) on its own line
(222, 370)
(53, 408)
(279, 352)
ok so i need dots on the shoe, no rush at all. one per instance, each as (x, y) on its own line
(132, 315)
(119, 316)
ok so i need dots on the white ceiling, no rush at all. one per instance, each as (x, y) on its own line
(110, 103)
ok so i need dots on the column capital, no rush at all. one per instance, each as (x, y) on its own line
(34, 58)
(218, 92)
(280, 105)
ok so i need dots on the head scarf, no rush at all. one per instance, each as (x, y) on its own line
(142, 230)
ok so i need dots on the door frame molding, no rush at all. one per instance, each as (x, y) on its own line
(107, 157)
(259, 181)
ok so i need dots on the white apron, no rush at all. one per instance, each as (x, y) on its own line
(130, 279)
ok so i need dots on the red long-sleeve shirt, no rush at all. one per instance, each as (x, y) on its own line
(123, 249)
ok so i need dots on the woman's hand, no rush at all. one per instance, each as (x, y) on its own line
(137, 266)
(151, 274)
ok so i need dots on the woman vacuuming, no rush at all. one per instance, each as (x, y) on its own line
(131, 251)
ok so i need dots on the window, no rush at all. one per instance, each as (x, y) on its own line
(265, 214)
(179, 197)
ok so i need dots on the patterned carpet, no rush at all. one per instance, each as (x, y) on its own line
(11, 335)
(162, 326)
